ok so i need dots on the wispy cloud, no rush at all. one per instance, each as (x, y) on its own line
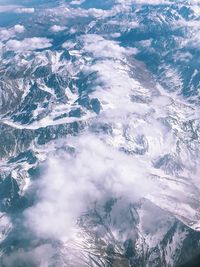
(39, 256)
(16, 9)
(28, 10)
(142, 2)
(7, 8)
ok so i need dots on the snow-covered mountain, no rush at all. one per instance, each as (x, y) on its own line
(99, 140)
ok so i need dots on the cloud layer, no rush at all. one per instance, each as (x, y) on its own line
(74, 182)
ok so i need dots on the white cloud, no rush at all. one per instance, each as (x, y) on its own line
(6, 34)
(74, 181)
(57, 28)
(28, 10)
(28, 44)
(142, 2)
(115, 35)
(101, 47)
(193, 2)
(77, 2)
(19, 28)
(68, 45)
